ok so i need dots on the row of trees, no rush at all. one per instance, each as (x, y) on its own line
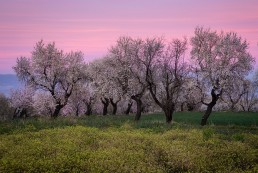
(155, 74)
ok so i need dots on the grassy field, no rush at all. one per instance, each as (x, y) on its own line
(229, 143)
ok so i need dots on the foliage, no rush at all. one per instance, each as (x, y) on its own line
(166, 72)
(52, 71)
(154, 73)
(22, 97)
(6, 111)
(250, 98)
(118, 144)
(221, 61)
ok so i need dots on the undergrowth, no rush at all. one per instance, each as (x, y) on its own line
(118, 144)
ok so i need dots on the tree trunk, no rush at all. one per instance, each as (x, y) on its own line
(105, 103)
(169, 117)
(168, 107)
(89, 109)
(207, 114)
(138, 101)
(77, 111)
(16, 113)
(88, 104)
(213, 102)
(139, 110)
(114, 104)
(182, 107)
(232, 107)
(114, 109)
(249, 109)
(169, 110)
(129, 106)
(105, 109)
(190, 106)
(24, 113)
(20, 113)
(57, 110)
(243, 108)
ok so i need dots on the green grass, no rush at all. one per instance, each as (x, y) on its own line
(229, 143)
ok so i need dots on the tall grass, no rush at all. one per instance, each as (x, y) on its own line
(152, 121)
(118, 144)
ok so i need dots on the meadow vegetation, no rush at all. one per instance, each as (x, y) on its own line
(44, 125)
(119, 144)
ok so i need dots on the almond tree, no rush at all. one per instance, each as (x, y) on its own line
(98, 79)
(166, 72)
(43, 103)
(219, 58)
(75, 105)
(104, 79)
(129, 107)
(234, 91)
(249, 101)
(89, 97)
(128, 69)
(191, 96)
(53, 71)
(22, 100)
(81, 101)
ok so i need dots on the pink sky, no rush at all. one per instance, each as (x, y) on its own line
(92, 26)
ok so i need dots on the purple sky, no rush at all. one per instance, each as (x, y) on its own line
(92, 26)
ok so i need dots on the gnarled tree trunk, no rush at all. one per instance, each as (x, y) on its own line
(20, 113)
(137, 99)
(88, 104)
(182, 106)
(77, 111)
(105, 103)
(129, 106)
(207, 113)
(89, 108)
(169, 110)
(57, 110)
(114, 104)
(210, 105)
(168, 106)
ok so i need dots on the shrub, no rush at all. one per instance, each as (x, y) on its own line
(5, 109)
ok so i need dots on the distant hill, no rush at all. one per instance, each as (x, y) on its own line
(8, 82)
